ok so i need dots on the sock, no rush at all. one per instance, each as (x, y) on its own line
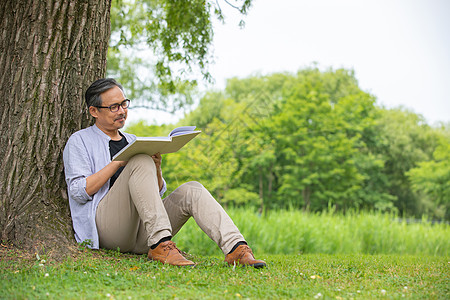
(164, 239)
(237, 245)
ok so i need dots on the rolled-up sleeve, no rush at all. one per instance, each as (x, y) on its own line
(163, 189)
(77, 168)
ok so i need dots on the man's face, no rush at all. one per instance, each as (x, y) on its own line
(105, 119)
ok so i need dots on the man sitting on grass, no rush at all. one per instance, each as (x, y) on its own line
(117, 204)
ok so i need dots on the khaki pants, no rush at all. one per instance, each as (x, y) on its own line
(133, 217)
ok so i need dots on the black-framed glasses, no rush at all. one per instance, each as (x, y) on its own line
(115, 107)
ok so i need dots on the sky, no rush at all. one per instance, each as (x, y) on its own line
(398, 49)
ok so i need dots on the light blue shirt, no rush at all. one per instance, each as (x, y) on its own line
(86, 153)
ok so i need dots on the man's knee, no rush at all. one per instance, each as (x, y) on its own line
(190, 191)
(195, 184)
(141, 160)
(191, 186)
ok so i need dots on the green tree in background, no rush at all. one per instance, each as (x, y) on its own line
(431, 180)
(404, 140)
(322, 126)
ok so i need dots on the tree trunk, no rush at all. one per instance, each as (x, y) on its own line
(50, 51)
(306, 194)
(261, 192)
(270, 178)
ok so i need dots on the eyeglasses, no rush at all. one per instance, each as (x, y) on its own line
(115, 107)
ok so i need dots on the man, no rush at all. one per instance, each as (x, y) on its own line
(118, 204)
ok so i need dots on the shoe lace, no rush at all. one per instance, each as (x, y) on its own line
(170, 246)
(243, 250)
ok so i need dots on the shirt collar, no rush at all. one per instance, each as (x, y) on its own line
(100, 132)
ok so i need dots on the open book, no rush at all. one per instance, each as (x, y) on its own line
(150, 145)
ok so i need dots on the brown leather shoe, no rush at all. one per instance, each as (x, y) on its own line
(168, 253)
(243, 255)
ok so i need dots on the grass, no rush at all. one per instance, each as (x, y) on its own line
(322, 256)
(296, 232)
(109, 274)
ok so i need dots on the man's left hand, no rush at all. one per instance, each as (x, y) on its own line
(157, 159)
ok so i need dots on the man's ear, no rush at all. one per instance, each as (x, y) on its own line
(93, 111)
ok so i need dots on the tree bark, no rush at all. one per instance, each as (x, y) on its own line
(261, 192)
(50, 52)
(270, 178)
(306, 194)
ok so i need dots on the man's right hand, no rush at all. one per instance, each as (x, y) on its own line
(122, 163)
(97, 180)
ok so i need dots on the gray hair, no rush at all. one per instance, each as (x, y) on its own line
(92, 95)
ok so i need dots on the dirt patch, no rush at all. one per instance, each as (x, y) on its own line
(11, 253)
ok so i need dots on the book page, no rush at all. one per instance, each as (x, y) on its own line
(182, 130)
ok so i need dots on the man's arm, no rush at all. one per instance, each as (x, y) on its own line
(95, 181)
(77, 165)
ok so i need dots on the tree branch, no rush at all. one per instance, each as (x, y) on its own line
(234, 6)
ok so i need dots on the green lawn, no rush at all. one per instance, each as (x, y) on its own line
(109, 274)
